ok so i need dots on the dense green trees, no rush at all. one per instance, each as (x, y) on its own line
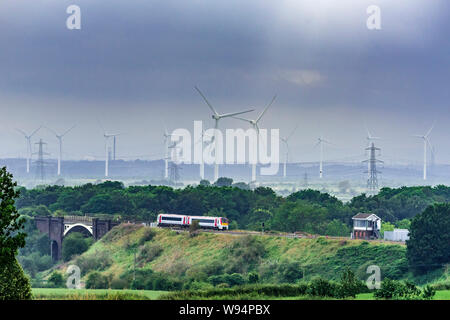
(75, 244)
(13, 282)
(429, 244)
(307, 210)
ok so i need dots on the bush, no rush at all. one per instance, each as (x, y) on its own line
(149, 252)
(74, 244)
(319, 287)
(96, 280)
(253, 277)
(349, 285)
(391, 289)
(14, 285)
(243, 253)
(148, 235)
(290, 272)
(56, 280)
(98, 260)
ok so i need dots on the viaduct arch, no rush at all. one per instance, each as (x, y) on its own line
(59, 227)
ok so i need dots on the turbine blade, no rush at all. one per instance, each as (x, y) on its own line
(67, 131)
(32, 134)
(234, 113)
(429, 131)
(292, 132)
(243, 119)
(53, 131)
(207, 102)
(22, 132)
(264, 111)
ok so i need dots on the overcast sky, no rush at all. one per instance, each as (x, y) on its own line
(134, 65)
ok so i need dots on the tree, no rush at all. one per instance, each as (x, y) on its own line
(13, 282)
(223, 182)
(74, 244)
(56, 279)
(429, 245)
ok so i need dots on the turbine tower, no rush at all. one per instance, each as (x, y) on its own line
(254, 124)
(59, 137)
(107, 135)
(216, 116)
(28, 138)
(426, 143)
(202, 164)
(174, 170)
(321, 142)
(285, 141)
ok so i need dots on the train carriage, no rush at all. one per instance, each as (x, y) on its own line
(183, 221)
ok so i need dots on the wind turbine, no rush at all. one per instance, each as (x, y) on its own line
(167, 137)
(285, 140)
(107, 135)
(426, 142)
(59, 137)
(216, 116)
(202, 164)
(28, 138)
(321, 142)
(254, 124)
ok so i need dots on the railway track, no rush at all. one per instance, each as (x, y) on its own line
(283, 235)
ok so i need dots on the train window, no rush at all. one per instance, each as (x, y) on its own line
(171, 219)
(204, 220)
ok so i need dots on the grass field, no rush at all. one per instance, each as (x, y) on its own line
(94, 294)
(440, 295)
(91, 294)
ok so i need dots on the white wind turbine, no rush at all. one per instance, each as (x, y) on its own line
(28, 138)
(285, 141)
(254, 124)
(426, 142)
(59, 137)
(107, 135)
(202, 141)
(167, 136)
(321, 142)
(216, 116)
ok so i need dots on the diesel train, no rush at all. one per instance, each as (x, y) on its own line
(183, 221)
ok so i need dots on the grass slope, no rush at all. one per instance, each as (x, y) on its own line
(178, 254)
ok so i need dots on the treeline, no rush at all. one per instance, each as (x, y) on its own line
(307, 210)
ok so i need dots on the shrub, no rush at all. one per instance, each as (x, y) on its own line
(391, 289)
(148, 235)
(14, 285)
(253, 277)
(56, 280)
(243, 253)
(96, 280)
(349, 285)
(74, 244)
(98, 260)
(290, 272)
(149, 252)
(319, 287)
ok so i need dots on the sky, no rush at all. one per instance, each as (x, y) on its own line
(134, 64)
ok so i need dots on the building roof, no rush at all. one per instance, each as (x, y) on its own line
(366, 216)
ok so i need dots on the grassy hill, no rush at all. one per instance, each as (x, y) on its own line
(134, 256)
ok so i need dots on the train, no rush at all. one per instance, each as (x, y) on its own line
(184, 221)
